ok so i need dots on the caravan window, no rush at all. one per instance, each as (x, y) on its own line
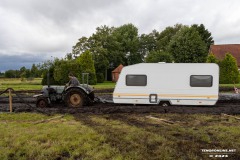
(201, 81)
(136, 80)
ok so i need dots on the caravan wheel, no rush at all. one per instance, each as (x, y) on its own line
(165, 103)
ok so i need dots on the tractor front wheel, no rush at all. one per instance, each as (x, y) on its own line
(42, 103)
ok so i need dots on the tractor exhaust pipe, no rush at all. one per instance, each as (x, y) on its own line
(48, 79)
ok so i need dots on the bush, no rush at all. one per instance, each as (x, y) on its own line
(229, 70)
(87, 65)
(63, 68)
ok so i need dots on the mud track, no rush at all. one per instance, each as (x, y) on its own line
(101, 108)
(227, 104)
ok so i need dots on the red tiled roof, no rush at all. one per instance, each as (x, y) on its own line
(220, 50)
(118, 69)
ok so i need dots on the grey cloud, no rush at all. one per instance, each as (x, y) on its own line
(16, 61)
(49, 27)
(59, 11)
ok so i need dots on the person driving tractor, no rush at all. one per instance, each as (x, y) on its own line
(73, 82)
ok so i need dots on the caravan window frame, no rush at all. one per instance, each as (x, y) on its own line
(139, 84)
(198, 84)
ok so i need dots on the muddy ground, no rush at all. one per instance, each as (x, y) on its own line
(228, 103)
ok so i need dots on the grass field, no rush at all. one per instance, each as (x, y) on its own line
(35, 84)
(116, 136)
(17, 84)
(112, 136)
(105, 85)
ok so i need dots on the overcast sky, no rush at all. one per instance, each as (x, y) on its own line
(32, 31)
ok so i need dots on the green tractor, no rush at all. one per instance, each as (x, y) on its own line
(71, 96)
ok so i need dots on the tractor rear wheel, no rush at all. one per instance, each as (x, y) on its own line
(75, 98)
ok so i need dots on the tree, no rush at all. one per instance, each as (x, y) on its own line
(11, 74)
(34, 71)
(47, 69)
(99, 44)
(1, 74)
(87, 65)
(158, 56)
(81, 46)
(27, 73)
(23, 71)
(111, 46)
(229, 70)
(100, 38)
(187, 46)
(147, 43)
(101, 64)
(69, 56)
(126, 42)
(49, 72)
(212, 59)
(163, 39)
(205, 34)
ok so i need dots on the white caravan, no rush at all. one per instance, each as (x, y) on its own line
(168, 84)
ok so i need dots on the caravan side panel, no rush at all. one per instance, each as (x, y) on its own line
(180, 84)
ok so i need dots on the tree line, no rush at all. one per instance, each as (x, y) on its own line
(108, 47)
(111, 46)
(23, 72)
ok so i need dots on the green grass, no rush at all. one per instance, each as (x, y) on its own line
(230, 85)
(21, 87)
(115, 136)
(18, 81)
(17, 84)
(105, 85)
(35, 84)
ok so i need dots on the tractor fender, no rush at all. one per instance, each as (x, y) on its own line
(37, 95)
(84, 90)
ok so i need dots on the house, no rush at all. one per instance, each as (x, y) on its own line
(116, 72)
(220, 50)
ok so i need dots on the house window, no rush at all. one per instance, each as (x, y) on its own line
(136, 80)
(201, 81)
